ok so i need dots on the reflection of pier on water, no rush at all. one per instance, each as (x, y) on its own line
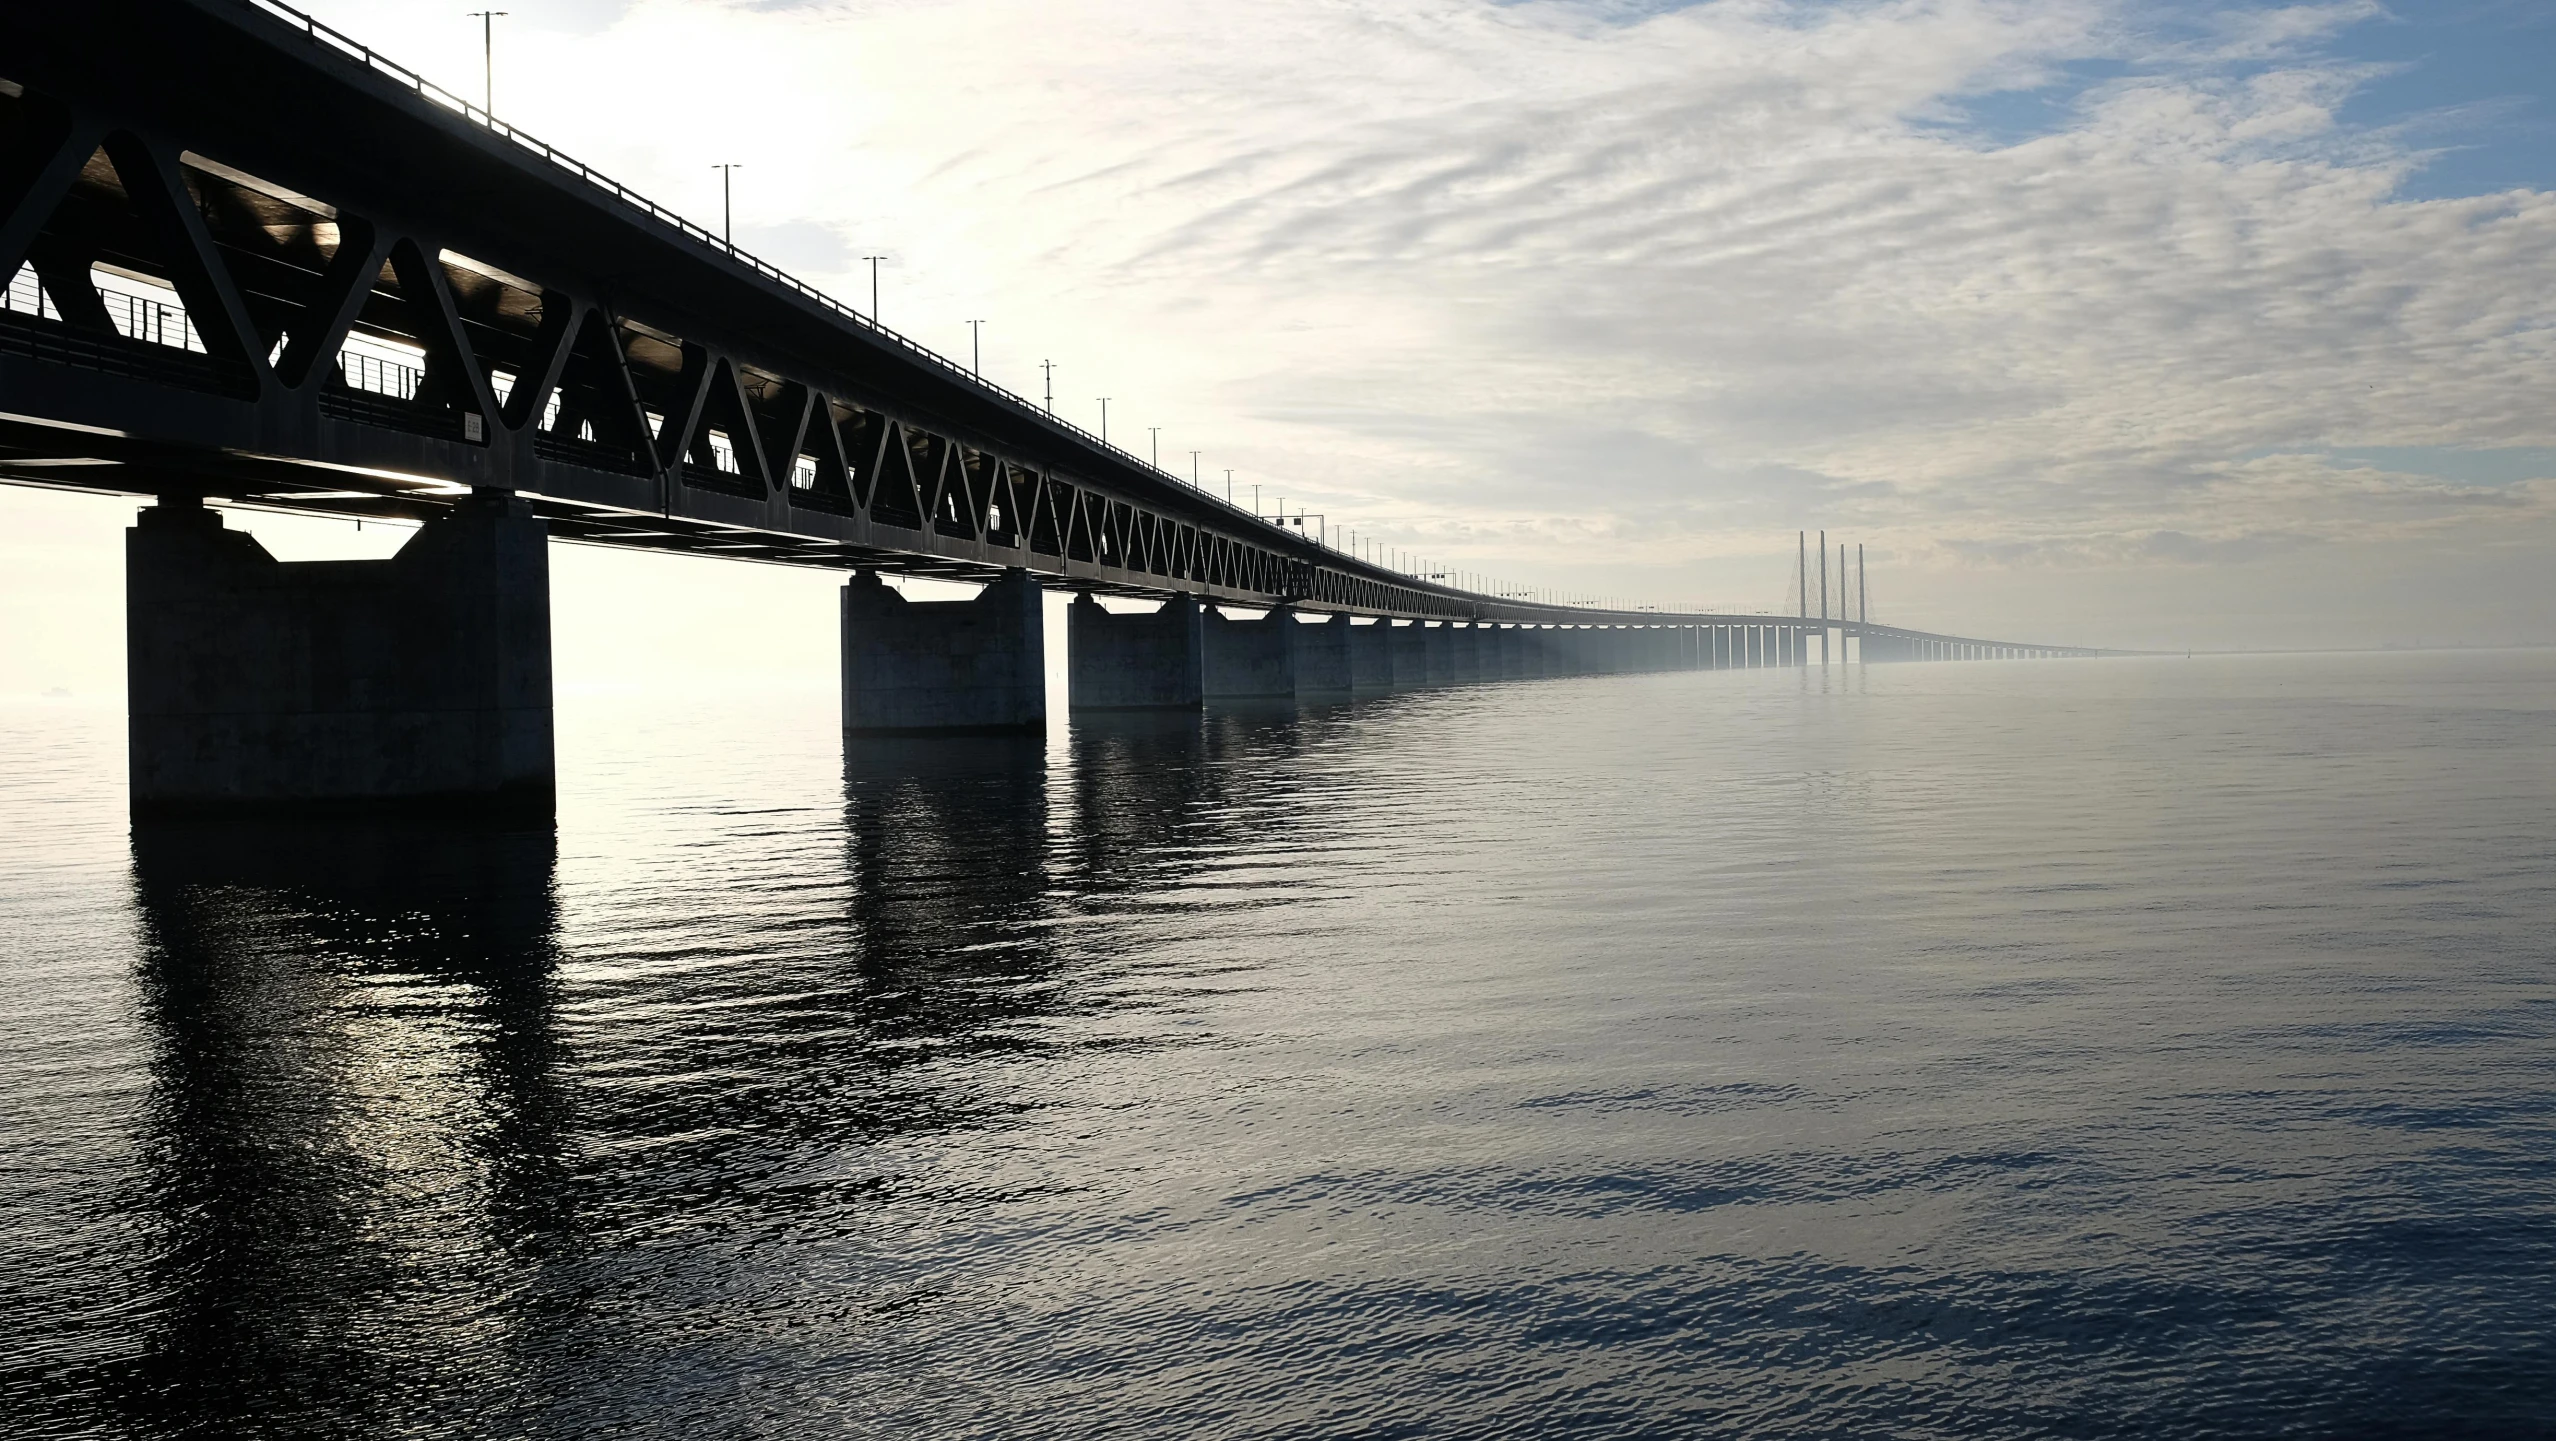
(413, 1155)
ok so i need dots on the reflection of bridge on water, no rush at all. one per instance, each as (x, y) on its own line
(437, 1121)
(253, 262)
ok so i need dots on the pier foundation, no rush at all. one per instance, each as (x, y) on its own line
(1325, 664)
(944, 667)
(422, 680)
(1410, 643)
(1154, 661)
(1248, 659)
(1371, 658)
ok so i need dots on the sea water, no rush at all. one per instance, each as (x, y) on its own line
(2146, 1047)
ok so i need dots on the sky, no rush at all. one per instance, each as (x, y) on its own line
(2145, 325)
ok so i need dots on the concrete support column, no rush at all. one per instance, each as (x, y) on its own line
(1464, 654)
(1442, 661)
(946, 667)
(1249, 659)
(1447, 643)
(1135, 662)
(1325, 665)
(422, 679)
(1410, 645)
(1371, 657)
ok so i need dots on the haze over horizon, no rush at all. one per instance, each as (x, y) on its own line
(2129, 325)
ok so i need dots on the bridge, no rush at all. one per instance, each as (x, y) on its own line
(254, 263)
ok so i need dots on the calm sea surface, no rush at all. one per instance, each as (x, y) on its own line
(2122, 1048)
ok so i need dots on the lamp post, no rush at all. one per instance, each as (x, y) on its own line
(1156, 432)
(1193, 471)
(488, 59)
(976, 348)
(727, 205)
(874, 286)
(1048, 367)
(1104, 400)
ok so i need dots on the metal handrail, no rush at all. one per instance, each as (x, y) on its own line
(380, 376)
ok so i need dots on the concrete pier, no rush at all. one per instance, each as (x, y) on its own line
(1248, 659)
(1410, 644)
(1325, 662)
(1371, 657)
(1135, 662)
(946, 667)
(1454, 655)
(422, 680)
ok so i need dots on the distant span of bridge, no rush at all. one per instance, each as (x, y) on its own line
(254, 263)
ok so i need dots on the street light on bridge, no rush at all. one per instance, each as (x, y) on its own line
(727, 202)
(488, 59)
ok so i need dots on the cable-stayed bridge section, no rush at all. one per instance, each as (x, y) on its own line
(252, 262)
